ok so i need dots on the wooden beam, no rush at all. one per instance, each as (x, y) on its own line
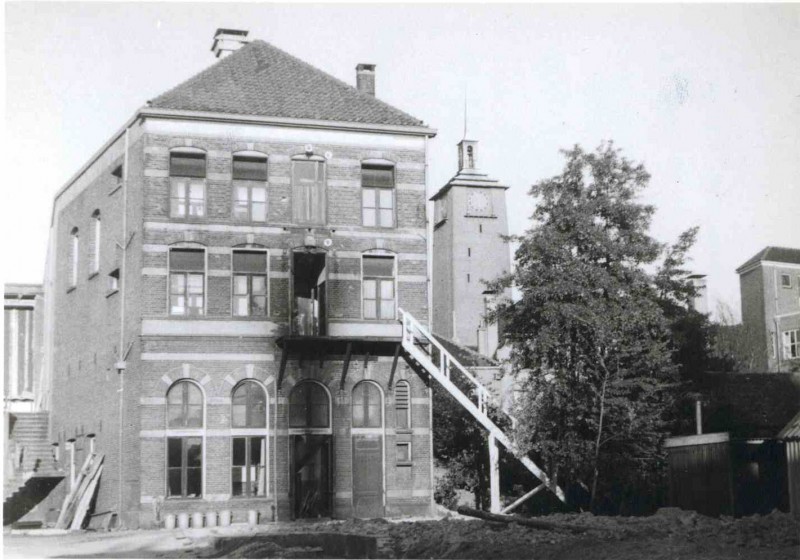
(282, 370)
(519, 502)
(346, 366)
(394, 364)
(527, 521)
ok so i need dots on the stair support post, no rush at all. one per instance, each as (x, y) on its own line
(494, 475)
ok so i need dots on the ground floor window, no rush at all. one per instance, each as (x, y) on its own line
(791, 344)
(249, 470)
(185, 467)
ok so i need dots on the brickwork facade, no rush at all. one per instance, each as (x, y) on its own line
(216, 350)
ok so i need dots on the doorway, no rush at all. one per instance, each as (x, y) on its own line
(309, 282)
(311, 476)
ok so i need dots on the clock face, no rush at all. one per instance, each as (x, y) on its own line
(478, 203)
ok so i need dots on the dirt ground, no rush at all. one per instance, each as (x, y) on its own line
(670, 534)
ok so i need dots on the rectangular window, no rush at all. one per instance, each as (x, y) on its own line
(791, 344)
(250, 203)
(96, 248)
(786, 281)
(378, 287)
(403, 452)
(186, 281)
(184, 467)
(308, 191)
(249, 168)
(377, 196)
(249, 466)
(187, 171)
(113, 280)
(249, 283)
(74, 257)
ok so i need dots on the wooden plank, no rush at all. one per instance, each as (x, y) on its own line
(71, 495)
(86, 499)
(519, 502)
(69, 512)
(394, 364)
(282, 370)
(527, 521)
(346, 365)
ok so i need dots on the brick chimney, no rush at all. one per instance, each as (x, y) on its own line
(228, 40)
(365, 79)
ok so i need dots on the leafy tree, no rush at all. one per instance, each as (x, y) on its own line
(591, 330)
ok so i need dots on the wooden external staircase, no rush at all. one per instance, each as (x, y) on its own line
(424, 349)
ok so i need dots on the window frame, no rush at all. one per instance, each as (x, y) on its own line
(74, 255)
(249, 433)
(367, 404)
(185, 434)
(95, 265)
(790, 346)
(186, 182)
(250, 275)
(407, 462)
(379, 281)
(307, 217)
(377, 208)
(185, 274)
(787, 285)
(306, 429)
(249, 185)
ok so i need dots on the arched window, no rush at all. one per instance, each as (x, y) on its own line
(378, 286)
(184, 406)
(308, 189)
(249, 403)
(74, 247)
(96, 248)
(185, 452)
(249, 451)
(367, 406)
(309, 406)
(402, 405)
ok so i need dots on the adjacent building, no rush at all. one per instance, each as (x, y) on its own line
(770, 291)
(224, 277)
(469, 249)
(23, 310)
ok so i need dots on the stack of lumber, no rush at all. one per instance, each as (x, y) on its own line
(76, 504)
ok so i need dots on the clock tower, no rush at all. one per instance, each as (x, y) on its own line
(468, 248)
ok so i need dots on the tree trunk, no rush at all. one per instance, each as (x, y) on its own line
(596, 475)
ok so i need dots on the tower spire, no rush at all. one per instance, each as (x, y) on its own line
(465, 112)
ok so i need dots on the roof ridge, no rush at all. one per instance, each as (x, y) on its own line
(335, 79)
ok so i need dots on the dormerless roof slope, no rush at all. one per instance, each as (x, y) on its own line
(262, 80)
(774, 254)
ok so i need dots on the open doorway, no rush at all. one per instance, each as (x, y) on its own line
(311, 480)
(309, 275)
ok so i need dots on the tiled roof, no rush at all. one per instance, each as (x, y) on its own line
(775, 254)
(262, 80)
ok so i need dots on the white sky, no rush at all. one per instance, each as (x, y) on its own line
(708, 97)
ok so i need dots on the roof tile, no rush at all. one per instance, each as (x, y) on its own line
(262, 80)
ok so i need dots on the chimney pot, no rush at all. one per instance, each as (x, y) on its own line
(365, 79)
(228, 40)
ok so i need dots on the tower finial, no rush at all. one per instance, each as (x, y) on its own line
(465, 112)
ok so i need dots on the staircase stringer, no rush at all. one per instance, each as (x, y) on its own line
(479, 411)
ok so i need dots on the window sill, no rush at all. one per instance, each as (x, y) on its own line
(250, 497)
(405, 464)
(111, 293)
(403, 431)
(93, 274)
(71, 289)
(183, 498)
(478, 216)
(440, 223)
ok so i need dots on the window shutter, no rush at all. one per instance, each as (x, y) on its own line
(185, 164)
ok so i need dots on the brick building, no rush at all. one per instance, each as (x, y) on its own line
(770, 291)
(224, 278)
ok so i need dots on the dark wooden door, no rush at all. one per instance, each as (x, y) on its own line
(311, 476)
(368, 475)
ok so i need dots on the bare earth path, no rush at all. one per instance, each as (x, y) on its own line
(668, 535)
